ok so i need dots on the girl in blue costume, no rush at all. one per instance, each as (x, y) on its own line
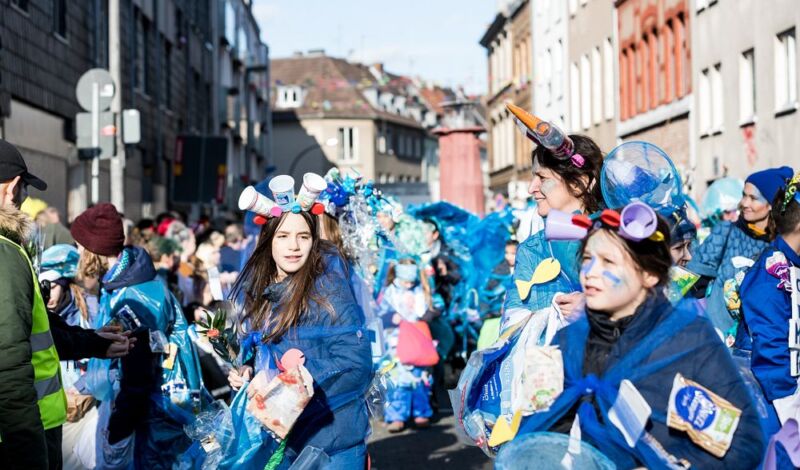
(406, 297)
(631, 332)
(297, 297)
(767, 308)
(733, 247)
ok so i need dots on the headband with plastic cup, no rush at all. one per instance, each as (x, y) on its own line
(636, 222)
(284, 199)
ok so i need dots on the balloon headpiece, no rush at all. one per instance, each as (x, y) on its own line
(283, 197)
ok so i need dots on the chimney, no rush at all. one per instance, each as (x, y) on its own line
(316, 52)
(297, 54)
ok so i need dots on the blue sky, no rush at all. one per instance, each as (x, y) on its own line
(433, 39)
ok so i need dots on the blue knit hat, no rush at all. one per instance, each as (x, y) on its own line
(770, 181)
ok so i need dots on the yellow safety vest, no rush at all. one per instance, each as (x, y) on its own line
(44, 358)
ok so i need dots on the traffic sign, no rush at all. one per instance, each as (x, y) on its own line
(99, 81)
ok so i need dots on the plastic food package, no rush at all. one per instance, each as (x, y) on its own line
(278, 403)
(708, 419)
(542, 379)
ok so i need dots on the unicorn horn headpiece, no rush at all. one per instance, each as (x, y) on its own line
(546, 134)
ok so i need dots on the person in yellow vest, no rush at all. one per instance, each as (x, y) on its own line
(32, 401)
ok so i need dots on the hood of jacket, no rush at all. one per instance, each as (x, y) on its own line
(15, 224)
(133, 267)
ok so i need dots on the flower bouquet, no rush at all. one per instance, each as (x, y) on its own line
(222, 337)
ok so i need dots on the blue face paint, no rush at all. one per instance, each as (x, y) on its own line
(615, 281)
(588, 266)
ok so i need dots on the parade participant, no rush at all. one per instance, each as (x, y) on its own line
(155, 398)
(406, 297)
(297, 302)
(733, 247)
(767, 309)
(32, 400)
(682, 233)
(567, 183)
(633, 346)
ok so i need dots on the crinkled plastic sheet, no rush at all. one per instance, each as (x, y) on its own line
(723, 195)
(545, 450)
(213, 435)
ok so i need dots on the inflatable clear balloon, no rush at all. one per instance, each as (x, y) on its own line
(641, 171)
(723, 195)
(541, 450)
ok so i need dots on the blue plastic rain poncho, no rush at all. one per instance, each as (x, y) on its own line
(337, 352)
(659, 342)
(132, 289)
(729, 248)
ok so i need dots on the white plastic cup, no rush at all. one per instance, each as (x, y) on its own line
(253, 201)
(282, 187)
(313, 185)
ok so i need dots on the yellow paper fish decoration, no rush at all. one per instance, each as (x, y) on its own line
(504, 431)
(545, 272)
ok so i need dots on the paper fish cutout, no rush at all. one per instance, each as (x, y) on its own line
(545, 272)
(503, 431)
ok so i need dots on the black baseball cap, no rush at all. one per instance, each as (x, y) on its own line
(12, 165)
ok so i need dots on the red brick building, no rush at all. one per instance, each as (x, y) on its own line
(655, 74)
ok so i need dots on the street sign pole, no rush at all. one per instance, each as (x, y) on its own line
(115, 69)
(95, 142)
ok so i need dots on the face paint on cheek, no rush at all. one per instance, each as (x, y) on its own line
(588, 266)
(615, 281)
(548, 186)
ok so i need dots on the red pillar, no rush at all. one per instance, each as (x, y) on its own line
(460, 175)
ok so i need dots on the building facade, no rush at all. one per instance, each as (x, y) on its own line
(549, 23)
(592, 71)
(330, 112)
(170, 72)
(655, 61)
(746, 94)
(509, 45)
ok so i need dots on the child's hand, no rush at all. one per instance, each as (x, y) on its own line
(396, 318)
(570, 304)
(237, 378)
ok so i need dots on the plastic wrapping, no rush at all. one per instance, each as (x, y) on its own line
(214, 435)
(543, 450)
(722, 196)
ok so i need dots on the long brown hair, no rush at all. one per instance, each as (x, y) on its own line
(261, 271)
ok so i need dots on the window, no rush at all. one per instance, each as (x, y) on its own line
(608, 79)
(21, 4)
(785, 71)
(586, 85)
(290, 96)
(557, 70)
(747, 86)
(704, 102)
(574, 98)
(142, 82)
(597, 87)
(717, 98)
(60, 17)
(348, 144)
(573, 6)
(701, 4)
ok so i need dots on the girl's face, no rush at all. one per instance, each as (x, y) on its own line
(511, 254)
(551, 192)
(55, 296)
(611, 280)
(680, 253)
(386, 221)
(291, 244)
(754, 207)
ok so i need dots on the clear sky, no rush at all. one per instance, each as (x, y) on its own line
(433, 39)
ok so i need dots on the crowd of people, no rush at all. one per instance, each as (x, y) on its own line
(611, 323)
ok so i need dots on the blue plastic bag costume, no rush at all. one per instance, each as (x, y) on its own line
(132, 284)
(660, 342)
(715, 258)
(337, 354)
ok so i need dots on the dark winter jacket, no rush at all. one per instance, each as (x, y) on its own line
(715, 259)
(21, 431)
(657, 343)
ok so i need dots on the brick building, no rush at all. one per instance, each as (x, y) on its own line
(655, 82)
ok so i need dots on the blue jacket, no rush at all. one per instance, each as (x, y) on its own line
(660, 341)
(714, 259)
(767, 309)
(159, 421)
(339, 358)
(530, 253)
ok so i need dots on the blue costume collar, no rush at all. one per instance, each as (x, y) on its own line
(787, 250)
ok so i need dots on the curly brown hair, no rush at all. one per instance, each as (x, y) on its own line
(582, 182)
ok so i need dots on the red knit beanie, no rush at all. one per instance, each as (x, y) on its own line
(99, 230)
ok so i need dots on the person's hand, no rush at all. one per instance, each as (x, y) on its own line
(237, 378)
(121, 343)
(570, 304)
(396, 318)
